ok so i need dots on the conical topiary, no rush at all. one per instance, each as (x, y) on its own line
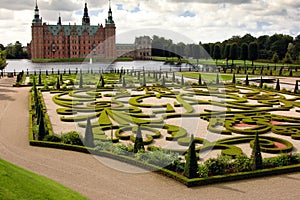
(182, 80)
(40, 79)
(233, 79)
(277, 85)
(89, 136)
(247, 80)
(217, 79)
(138, 142)
(296, 87)
(57, 84)
(191, 165)
(42, 130)
(261, 83)
(80, 81)
(199, 80)
(256, 154)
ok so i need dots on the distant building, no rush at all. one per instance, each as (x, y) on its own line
(72, 41)
(141, 49)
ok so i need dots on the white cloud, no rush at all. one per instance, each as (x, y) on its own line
(208, 20)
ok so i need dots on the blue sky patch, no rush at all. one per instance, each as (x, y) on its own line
(187, 14)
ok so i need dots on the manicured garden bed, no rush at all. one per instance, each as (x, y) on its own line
(125, 116)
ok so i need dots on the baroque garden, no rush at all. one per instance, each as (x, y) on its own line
(197, 131)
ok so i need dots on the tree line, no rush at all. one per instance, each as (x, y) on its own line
(14, 51)
(276, 48)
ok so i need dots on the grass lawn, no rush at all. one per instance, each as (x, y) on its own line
(209, 77)
(17, 183)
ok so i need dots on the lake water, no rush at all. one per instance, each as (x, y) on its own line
(19, 65)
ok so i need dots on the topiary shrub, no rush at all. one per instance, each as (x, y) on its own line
(72, 137)
(256, 154)
(89, 136)
(191, 165)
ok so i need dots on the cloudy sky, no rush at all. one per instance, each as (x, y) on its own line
(187, 21)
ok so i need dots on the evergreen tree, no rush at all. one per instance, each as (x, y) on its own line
(291, 73)
(61, 78)
(233, 79)
(102, 82)
(47, 73)
(163, 82)
(261, 82)
(40, 79)
(144, 80)
(191, 165)
(69, 71)
(124, 82)
(296, 87)
(138, 142)
(173, 77)
(277, 85)
(57, 84)
(182, 80)
(42, 130)
(200, 80)
(89, 136)
(217, 79)
(256, 154)
(247, 80)
(80, 81)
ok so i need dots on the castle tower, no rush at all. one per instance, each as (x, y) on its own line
(85, 18)
(36, 45)
(110, 35)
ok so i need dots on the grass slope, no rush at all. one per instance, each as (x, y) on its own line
(17, 183)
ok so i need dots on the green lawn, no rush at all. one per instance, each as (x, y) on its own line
(208, 77)
(17, 183)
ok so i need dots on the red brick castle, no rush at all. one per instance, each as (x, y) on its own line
(72, 41)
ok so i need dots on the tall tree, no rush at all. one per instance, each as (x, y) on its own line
(217, 53)
(244, 52)
(253, 52)
(233, 52)
(191, 165)
(226, 53)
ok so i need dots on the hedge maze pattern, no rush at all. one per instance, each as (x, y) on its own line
(230, 109)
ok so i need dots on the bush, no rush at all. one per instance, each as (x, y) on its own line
(72, 137)
(242, 164)
(203, 171)
(217, 166)
(52, 138)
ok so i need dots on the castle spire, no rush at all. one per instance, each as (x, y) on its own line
(36, 18)
(86, 18)
(110, 17)
(59, 20)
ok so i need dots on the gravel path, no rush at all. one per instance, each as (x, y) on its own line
(85, 174)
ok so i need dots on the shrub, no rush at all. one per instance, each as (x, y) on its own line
(217, 166)
(203, 171)
(72, 137)
(242, 164)
(52, 138)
